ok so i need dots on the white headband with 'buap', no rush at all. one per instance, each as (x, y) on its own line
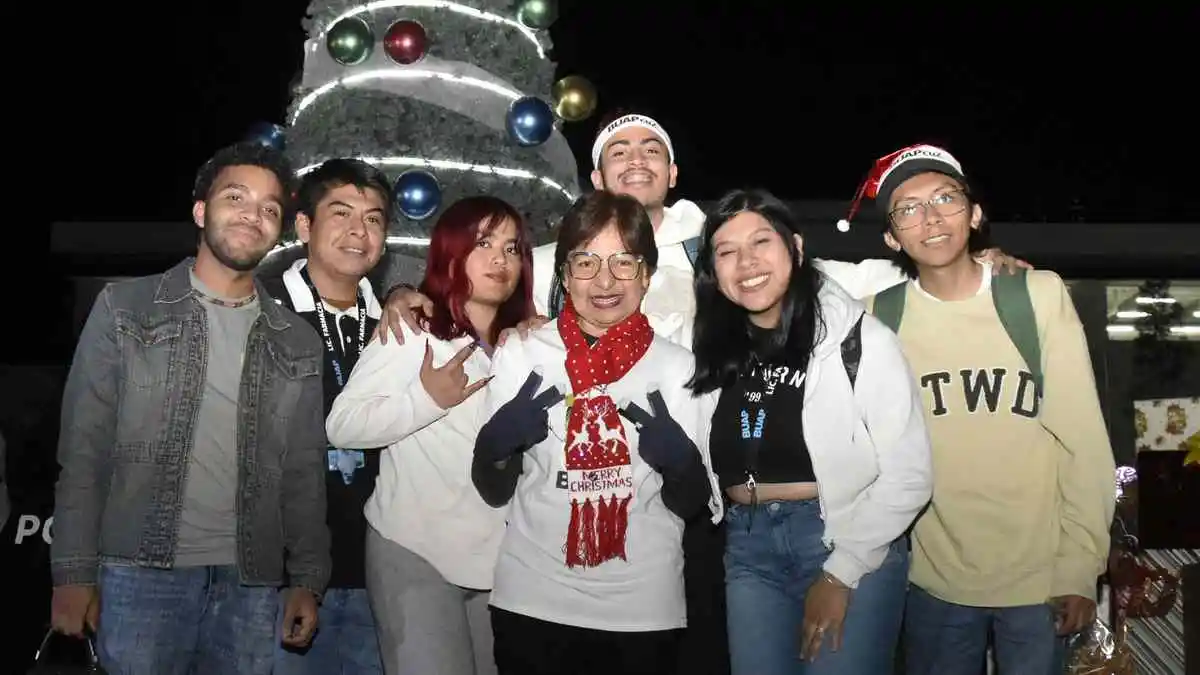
(622, 123)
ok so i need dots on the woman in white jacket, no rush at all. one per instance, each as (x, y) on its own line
(432, 542)
(819, 443)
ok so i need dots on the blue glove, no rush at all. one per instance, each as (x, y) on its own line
(519, 424)
(661, 441)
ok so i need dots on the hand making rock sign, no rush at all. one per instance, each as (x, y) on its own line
(448, 384)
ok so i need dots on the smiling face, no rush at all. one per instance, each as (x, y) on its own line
(345, 236)
(494, 265)
(931, 219)
(635, 162)
(241, 217)
(603, 300)
(753, 266)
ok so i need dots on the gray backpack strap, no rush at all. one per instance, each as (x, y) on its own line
(889, 306)
(1014, 305)
(692, 248)
(852, 351)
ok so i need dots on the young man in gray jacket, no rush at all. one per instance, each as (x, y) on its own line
(193, 451)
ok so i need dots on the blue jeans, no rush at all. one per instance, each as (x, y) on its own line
(770, 562)
(943, 638)
(345, 643)
(183, 621)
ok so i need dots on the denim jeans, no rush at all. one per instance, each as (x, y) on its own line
(345, 643)
(942, 637)
(183, 621)
(770, 562)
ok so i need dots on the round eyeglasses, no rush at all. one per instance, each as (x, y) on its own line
(583, 265)
(945, 204)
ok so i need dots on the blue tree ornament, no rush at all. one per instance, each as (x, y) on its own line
(267, 133)
(530, 121)
(417, 194)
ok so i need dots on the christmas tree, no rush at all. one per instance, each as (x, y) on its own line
(451, 99)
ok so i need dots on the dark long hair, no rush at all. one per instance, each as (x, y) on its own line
(725, 343)
(455, 235)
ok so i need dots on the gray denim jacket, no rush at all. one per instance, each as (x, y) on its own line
(129, 412)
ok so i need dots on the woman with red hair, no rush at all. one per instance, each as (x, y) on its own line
(433, 541)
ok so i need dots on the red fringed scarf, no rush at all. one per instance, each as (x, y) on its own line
(599, 469)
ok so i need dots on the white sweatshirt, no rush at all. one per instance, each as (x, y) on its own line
(869, 445)
(644, 593)
(424, 499)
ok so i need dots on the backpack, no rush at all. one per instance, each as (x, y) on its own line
(1010, 294)
(690, 246)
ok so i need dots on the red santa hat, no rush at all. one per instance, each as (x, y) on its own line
(893, 169)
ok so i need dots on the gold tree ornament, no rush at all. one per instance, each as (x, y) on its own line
(574, 98)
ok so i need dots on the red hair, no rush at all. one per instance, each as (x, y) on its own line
(454, 237)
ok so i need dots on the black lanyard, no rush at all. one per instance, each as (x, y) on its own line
(757, 392)
(334, 353)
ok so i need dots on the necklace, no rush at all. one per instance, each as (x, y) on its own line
(231, 304)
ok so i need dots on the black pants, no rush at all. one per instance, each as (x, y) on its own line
(704, 649)
(528, 646)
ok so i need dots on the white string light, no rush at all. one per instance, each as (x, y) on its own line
(448, 165)
(1125, 329)
(390, 240)
(455, 7)
(420, 162)
(400, 74)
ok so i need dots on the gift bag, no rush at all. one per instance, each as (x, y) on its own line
(42, 665)
(1096, 650)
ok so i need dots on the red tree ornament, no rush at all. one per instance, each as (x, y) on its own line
(405, 42)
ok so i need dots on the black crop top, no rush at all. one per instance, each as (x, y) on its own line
(781, 455)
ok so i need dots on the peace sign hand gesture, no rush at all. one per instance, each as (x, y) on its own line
(447, 385)
(662, 443)
(519, 424)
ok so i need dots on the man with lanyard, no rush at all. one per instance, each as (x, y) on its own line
(632, 154)
(342, 215)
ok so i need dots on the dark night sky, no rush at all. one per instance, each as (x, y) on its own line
(1056, 115)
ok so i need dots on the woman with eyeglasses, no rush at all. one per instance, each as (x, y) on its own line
(818, 442)
(592, 441)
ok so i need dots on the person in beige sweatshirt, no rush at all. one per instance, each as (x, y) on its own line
(1017, 531)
